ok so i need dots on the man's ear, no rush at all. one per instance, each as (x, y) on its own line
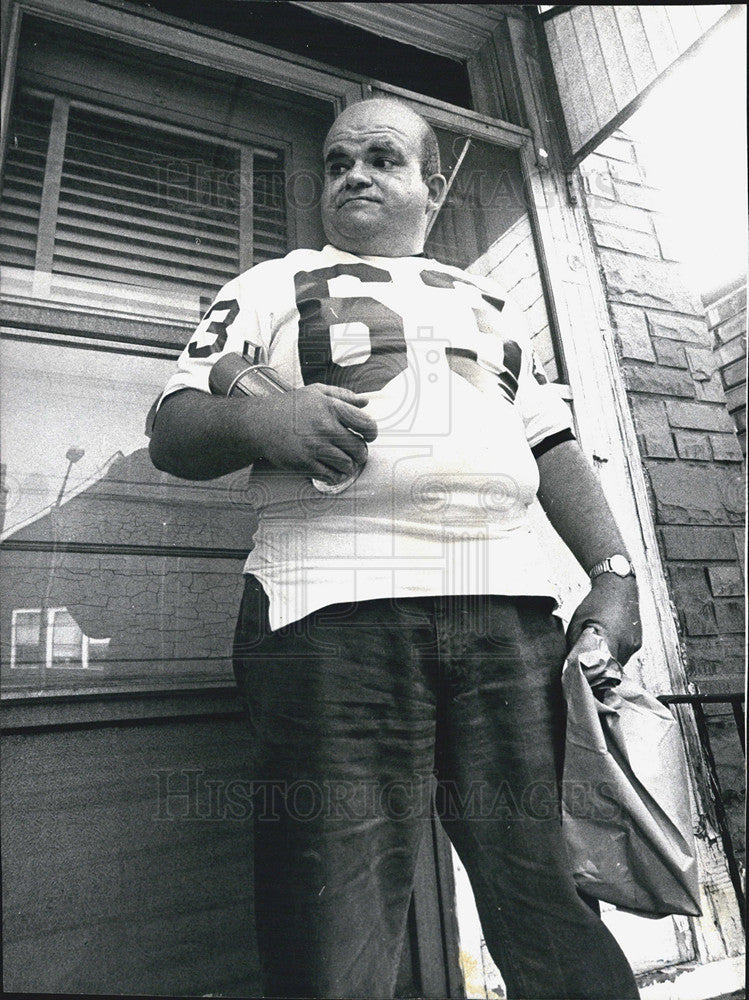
(437, 188)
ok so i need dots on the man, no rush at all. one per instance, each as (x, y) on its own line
(402, 628)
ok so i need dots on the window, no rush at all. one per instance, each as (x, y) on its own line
(485, 226)
(138, 218)
(135, 185)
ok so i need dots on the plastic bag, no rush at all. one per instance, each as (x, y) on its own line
(625, 801)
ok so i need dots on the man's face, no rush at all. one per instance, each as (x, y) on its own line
(375, 200)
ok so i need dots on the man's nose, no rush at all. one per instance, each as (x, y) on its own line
(358, 175)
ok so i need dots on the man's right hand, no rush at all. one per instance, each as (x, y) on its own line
(319, 430)
(314, 430)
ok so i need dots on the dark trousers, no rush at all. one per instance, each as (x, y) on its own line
(354, 711)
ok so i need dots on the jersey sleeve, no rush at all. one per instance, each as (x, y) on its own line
(546, 416)
(232, 323)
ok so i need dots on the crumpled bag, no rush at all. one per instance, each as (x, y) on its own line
(625, 802)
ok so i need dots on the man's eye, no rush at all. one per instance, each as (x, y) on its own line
(336, 169)
(384, 161)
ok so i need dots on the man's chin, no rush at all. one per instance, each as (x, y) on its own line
(367, 240)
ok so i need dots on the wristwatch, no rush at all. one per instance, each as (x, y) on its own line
(617, 563)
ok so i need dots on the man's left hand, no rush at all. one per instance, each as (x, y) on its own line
(612, 608)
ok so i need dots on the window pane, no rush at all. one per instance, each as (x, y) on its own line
(76, 463)
(65, 640)
(149, 222)
(99, 545)
(137, 201)
(484, 226)
(115, 622)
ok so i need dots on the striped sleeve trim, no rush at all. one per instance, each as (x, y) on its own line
(552, 441)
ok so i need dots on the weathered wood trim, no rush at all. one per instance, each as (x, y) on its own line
(159, 33)
(467, 122)
(30, 320)
(455, 30)
(246, 209)
(122, 706)
(632, 81)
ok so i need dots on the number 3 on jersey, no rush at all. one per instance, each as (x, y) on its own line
(319, 311)
(217, 328)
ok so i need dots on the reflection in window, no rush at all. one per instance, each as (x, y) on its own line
(25, 637)
(52, 638)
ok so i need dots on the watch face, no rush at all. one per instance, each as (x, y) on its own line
(620, 565)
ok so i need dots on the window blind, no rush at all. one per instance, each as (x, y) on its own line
(28, 139)
(140, 204)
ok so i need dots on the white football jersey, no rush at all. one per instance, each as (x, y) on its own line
(445, 359)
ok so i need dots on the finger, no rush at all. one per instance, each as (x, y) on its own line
(340, 392)
(349, 447)
(357, 421)
(336, 461)
(332, 472)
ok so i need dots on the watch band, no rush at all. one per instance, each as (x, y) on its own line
(618, 564)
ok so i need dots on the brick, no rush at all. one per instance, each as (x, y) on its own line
(642, 282)
(597, 181)
(725, 581)
(728, 306)
(688, 329)
(733, 327)
(693, 600)
(658, 381)
(638, 196)
(688, 582)
(702, 362)
(631, 328)
(628, 240)
(698, 621)
(698, 416)
(711, 391)
(653, 429)
(736, 397)
(734, 374)
(670, 353)
(740, 543)
(669, 238)
(722, 655)
(696, 494)
(687, 542)
(729, 614)
(691, 445)
(617, 147)
(595, 163)
(731, 351)
(632, 173)
(616, 214)
(725, 448)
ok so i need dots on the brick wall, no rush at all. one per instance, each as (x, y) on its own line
(726, 318)
(688, 442)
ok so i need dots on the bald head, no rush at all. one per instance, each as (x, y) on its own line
(398, 110)
(381, 188)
